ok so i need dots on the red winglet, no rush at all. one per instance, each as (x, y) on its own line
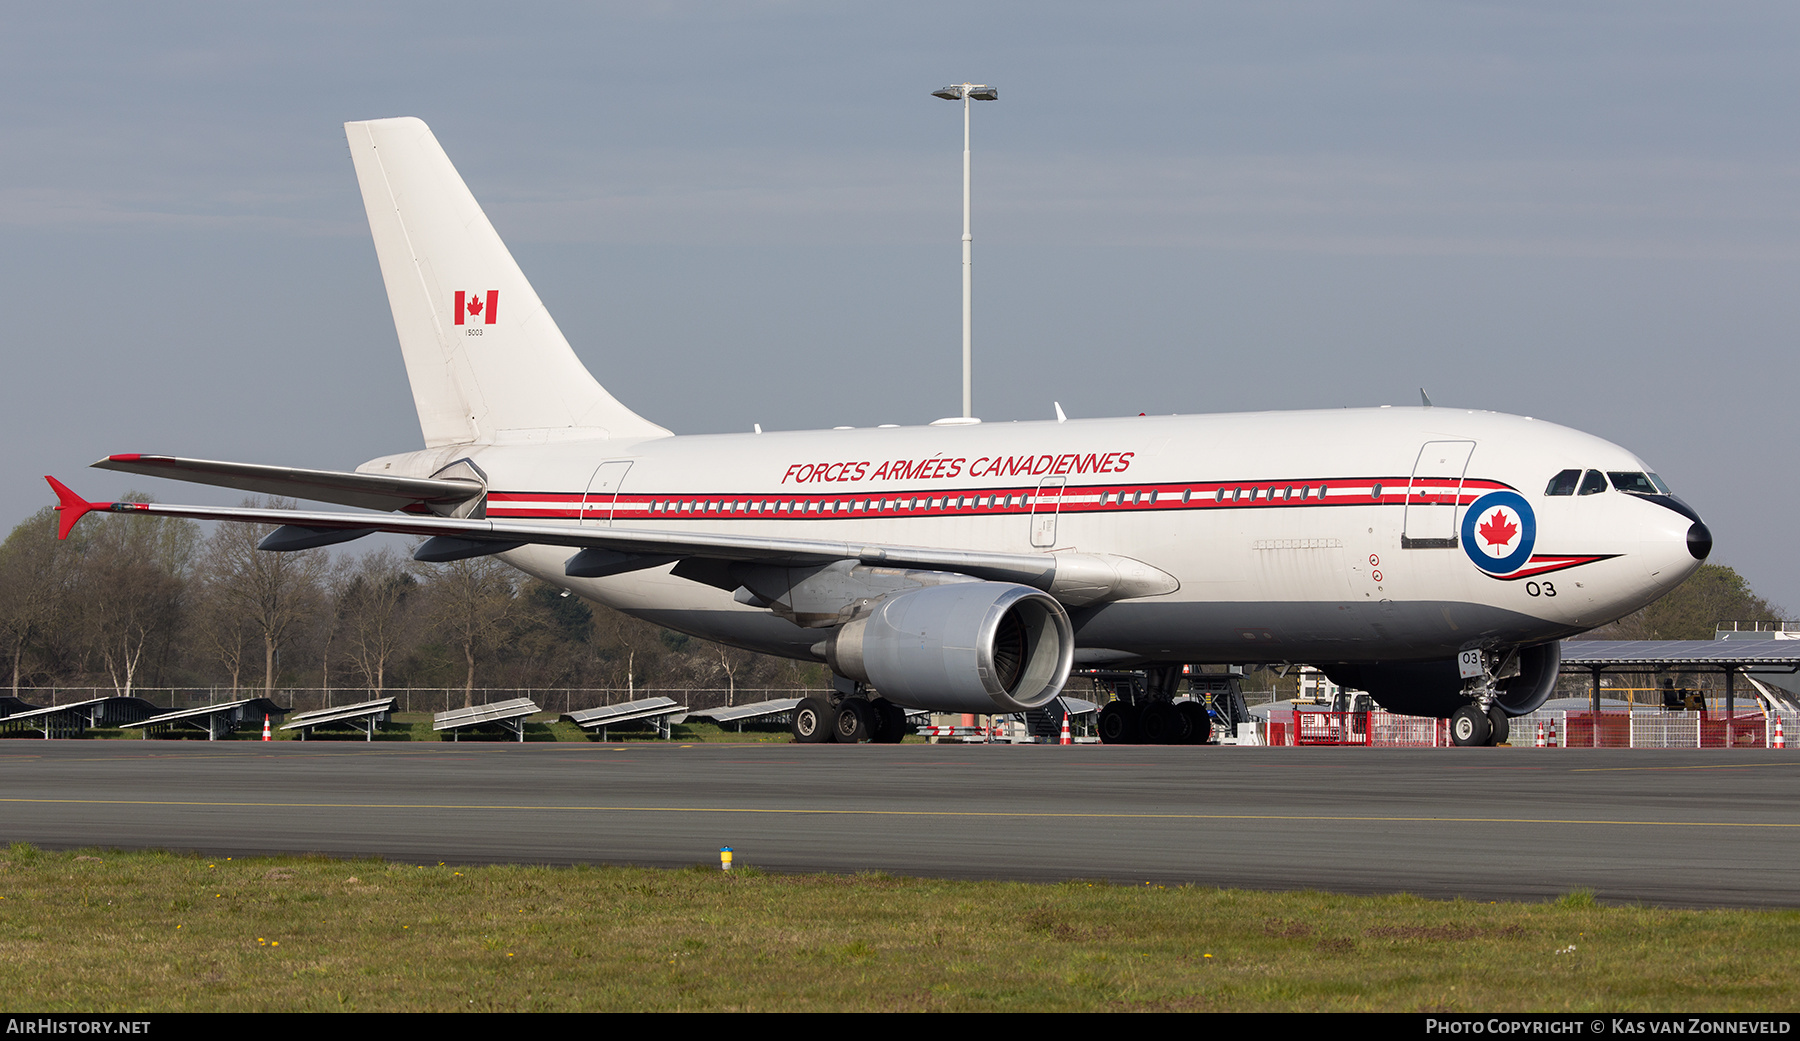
(72, 507)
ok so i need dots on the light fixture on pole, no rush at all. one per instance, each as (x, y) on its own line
(965, 93)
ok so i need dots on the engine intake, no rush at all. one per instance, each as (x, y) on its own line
(966, 647)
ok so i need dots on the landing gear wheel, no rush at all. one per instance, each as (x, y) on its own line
(1469, 726)
(1160, 724)
(812, 721)
(855, 722)
(1199, 723)
(1118, 724)
(893, 722)
(1498, 727)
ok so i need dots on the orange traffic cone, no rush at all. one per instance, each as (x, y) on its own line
(1540, 735)
(1066, 739)
(266, 735)
(1780, 735)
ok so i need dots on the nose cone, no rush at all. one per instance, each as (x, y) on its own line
(1676, 540)
(1699, 540)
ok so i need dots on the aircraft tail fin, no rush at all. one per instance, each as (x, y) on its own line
(486, 361)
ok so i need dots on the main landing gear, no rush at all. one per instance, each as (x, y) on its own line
(1155, 723)
(1147, 712)
(849, 718)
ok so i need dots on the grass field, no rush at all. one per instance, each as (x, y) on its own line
(109, 931)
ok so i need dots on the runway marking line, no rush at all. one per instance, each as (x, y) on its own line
(1029, 815)
(1706, 766)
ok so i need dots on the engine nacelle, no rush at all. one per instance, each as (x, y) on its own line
(1435, 688)
(967, 647)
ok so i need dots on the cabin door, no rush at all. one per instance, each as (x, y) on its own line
(1433, 495)
(602, 489)
(1045, 505)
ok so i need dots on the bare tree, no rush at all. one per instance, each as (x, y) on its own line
(630, 648)
(223, 629)
(37, 573)
(129, 607)
(259, 595)
(733, 661)
(133, 586)
(469, 603)
(374, 613)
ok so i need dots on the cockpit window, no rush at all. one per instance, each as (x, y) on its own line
(1592, 482)
(1635, 483)
(1563, 483)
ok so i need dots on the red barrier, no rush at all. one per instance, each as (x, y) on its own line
(1313, 727)
(1744, 731)
(1597, 730)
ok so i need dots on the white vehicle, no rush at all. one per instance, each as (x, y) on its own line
(1430, 556)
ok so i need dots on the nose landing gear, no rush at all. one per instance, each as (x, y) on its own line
(1469, 725)
(1483, 722)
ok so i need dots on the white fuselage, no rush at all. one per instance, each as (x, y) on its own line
(1292, 536)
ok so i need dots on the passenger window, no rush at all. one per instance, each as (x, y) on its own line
(1563, 483)
(1592, 482)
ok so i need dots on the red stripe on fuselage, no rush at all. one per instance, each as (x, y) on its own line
(1545, 563)
(1021, 501)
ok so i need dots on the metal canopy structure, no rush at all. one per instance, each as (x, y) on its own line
(663, 713)
(1731, 658)
(74, 719)
(364, 716)
(508, 715)
(215, 720)
(765, 711)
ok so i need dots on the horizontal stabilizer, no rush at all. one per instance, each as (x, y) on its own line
(368, 491)
(70, 506)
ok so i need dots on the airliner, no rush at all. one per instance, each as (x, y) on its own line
(1430, 556)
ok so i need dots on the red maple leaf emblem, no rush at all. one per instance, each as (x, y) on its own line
(1497, 530)
(474, 304)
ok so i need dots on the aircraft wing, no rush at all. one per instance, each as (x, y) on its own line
(1075, 578)
(346, 488)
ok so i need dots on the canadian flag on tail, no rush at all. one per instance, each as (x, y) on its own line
(470, 306)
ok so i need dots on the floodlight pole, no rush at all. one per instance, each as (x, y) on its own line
(968, 273)
(967, 92)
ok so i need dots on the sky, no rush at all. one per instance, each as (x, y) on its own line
(750, 213)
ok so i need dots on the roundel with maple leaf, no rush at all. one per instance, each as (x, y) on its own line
(1499, 531)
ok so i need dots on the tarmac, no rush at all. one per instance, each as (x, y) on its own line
(1683, 828)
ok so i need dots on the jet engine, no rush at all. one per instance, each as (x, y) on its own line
(1435, 689)
(964, 647)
